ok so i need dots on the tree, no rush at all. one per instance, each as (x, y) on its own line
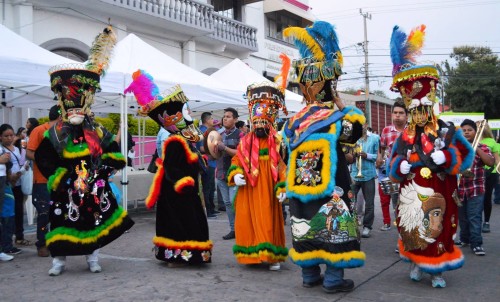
(473, 83)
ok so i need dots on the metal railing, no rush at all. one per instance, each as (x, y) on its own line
(196, 14)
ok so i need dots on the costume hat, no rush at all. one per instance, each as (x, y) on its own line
(76, 84)
(321, 63)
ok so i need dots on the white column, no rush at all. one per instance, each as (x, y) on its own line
(189, 53)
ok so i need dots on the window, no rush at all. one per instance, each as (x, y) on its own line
(70, 54)
(228, 8)
(277, 21)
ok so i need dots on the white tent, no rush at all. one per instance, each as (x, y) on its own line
(132, 53)
(24, 71)
(238, 75)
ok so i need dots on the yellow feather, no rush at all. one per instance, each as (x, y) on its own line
(101, 49)
(303, 36)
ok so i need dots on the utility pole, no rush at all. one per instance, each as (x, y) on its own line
(368, 108)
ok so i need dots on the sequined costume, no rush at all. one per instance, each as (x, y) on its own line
(427, 215)
(323, 218)
(84, 214)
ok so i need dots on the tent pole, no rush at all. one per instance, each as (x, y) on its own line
(123, 139)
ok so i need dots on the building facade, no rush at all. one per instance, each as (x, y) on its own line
(204, 35)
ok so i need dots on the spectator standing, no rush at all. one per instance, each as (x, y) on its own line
(490, 174)
(31, 124)
(208, 176)
(471, 191)
(230, 139)
(363, 174)
(4, 162)
(8, 222)
(17, 169)
(389, 135)
(242, 127)
(40, 193)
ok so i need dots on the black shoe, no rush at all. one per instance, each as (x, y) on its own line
(14, 251)
(211, 215)
(313, 284)
(229, 235)
(216, 212)
(346, 286)
(221, 209)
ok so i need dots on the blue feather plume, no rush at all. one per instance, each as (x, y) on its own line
(325, 35)
(399, 49)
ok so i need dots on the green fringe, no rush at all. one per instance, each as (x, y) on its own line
(277, 250)
(118, 156)
(51, 185)
(264, 151)
(231, 168)
(86, 234)
(72, 148)
(279, 185)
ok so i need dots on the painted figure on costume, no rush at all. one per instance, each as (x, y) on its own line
(77, 156)
(259, 172)
(181, 224)
(425, 160)
(323, 218)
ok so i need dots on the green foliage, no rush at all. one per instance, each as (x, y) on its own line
(106, 122)
(472, 84)
(43, 120)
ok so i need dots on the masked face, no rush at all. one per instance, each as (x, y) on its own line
(75, 116)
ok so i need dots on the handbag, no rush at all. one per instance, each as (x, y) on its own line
(152, 165)
(27, 182)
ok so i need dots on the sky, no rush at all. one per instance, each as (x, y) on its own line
(450, 23)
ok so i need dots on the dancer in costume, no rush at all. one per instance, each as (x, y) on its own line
(259, 172)
(323, 217)
(77, 156)
(181, 224)
(425, 160)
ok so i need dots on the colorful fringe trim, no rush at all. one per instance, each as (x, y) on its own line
(182, 245)
(231, 172)
(155, 189)
(86, 237)
(55, 179)
(182, 183)
(264, 252)
(341, 260)
(434, 265)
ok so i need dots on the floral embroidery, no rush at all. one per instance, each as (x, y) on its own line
(186, 255)
(206, 255)
(307, 171)
(168, 254)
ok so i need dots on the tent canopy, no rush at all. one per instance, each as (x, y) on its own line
(238, 75)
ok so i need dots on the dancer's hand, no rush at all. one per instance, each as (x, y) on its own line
(438, 157)
(239, 180)
(404, 167)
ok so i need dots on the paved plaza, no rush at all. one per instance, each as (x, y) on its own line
(131, 273)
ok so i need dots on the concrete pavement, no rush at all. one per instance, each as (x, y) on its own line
(131, 273)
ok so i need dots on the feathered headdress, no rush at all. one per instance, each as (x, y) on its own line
(76, 84)
(165, 109)
(101, 50)
(405, 50)
(321, 60)
(416, 83)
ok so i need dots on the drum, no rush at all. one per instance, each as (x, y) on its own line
(388, 187)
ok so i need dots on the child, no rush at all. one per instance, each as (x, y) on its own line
(8, 219)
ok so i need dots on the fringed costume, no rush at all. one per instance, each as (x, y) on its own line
(260, 235)
(425, 160)
(318, 185)
(77, 156)
(181, 225)
(77, 161)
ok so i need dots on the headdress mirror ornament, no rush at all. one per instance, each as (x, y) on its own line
(76, 84)
(416, 83)
(321, 64)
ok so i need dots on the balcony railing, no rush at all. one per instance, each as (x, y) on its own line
(198, 15)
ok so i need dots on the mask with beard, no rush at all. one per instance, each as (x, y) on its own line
(75, 116)
(261, 132)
